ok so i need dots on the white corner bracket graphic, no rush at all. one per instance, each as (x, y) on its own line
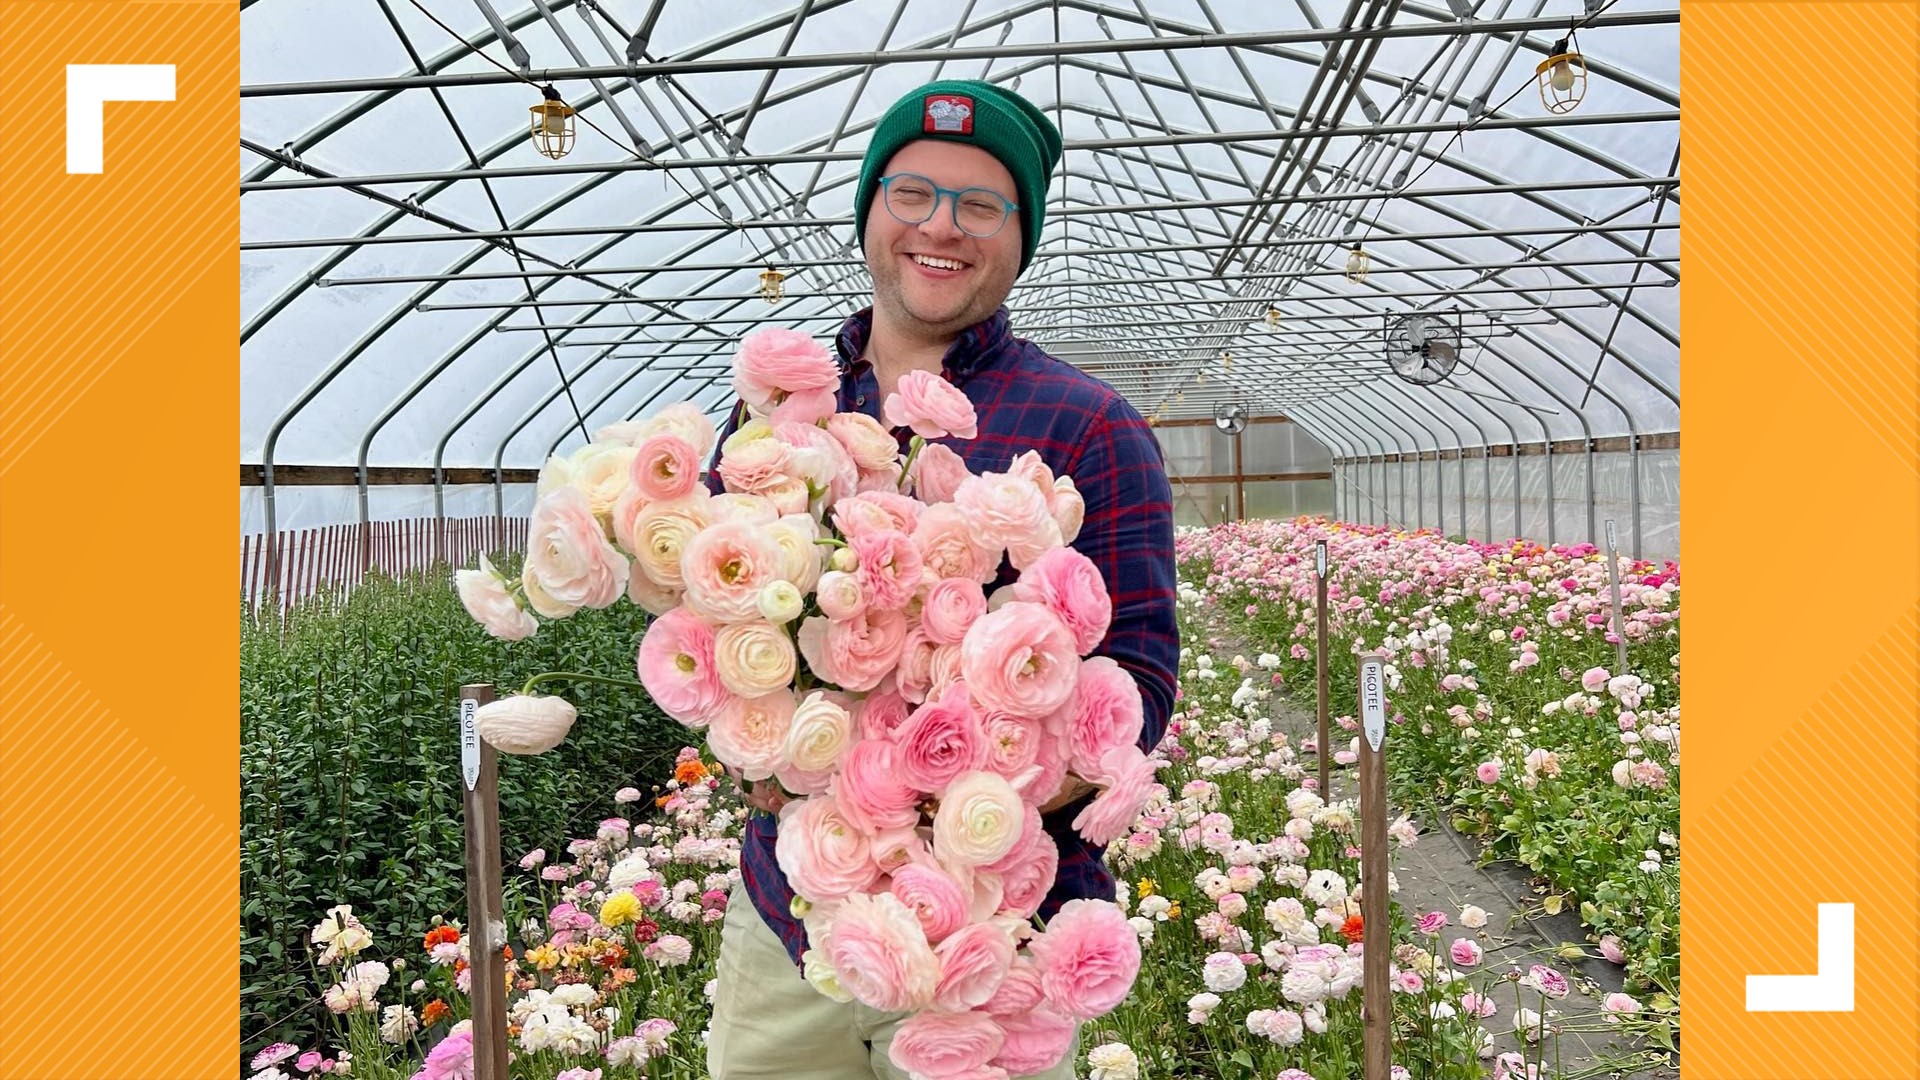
(89, 88)
(1829, 991)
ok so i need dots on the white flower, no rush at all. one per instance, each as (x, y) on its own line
(1142, 927)
(1325, 887)
(1113, 1061)
(1223, 972)
(397, 1024)
(1473, 917)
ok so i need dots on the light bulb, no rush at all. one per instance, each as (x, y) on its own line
(553, 124)
(1561, 76)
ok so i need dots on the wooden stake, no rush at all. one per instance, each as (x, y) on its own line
(1376, 990)
(1325, 753)
(486, 925)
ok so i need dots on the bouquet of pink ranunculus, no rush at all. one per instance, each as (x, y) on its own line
(824, 621)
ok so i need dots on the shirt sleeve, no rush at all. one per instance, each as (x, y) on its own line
(1128, 533)
(732, 424)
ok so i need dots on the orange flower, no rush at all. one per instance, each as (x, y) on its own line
(1354, 929)
(690, 772)
(619, 977)
(661, 802)
(433, 1012)
(440, 935)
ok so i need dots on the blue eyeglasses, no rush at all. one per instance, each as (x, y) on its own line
(913, 199)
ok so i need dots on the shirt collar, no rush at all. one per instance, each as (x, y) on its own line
(973, 349)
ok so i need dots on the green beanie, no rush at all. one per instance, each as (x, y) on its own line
(995, 119)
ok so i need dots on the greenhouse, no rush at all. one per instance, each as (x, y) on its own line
(1379, 304)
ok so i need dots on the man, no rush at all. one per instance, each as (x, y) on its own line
(948, 209)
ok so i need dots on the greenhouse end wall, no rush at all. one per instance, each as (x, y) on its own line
(1452, 495)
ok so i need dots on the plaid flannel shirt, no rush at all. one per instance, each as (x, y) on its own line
(1083, 428)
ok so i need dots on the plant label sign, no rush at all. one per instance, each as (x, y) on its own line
(1320, 558)
(1613, 542)
(1373, 701)
(469, 743)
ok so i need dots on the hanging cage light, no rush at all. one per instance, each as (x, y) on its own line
(1562, 78)
(552, 125)
(1273, 318)
(1357, 264)
(770, 280)
(1226, 361)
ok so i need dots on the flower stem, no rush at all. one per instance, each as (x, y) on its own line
(577, 676)
(906, 467)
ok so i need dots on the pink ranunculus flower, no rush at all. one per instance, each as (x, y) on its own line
(1594, 680)
(931, 406)
(869, 792)
(952, 544)
(484, 594)
(861, 515)
(904, 510)
(1465, 952)
(686, 420)
(665, 467)
(935, 897)
(973, 961)
(951, 606)
(1105, 711)
(881, 713)
(1088, 958)
(937, 473)
(1610, 948)
(1488, 772)
(1018, 992)
(818, 459)
(783, 374)
(750, 734)
(879, 952)
(753, 462)
(1068, 508)
(871, 446)
(939, 741)
(1070, 586)
(450, 1059)
(914, 676)
(980, 819)
(677, 666)
(1013, 742)
(854, 654)
(1020, 659)
(943, 1045)
(1024, 884)
(838, 594)
(889, 570)
(655, 598)
(1432, 923)
(822, 854)
(1036, 1040)
(569, 563)
(1126, 776)
(1010, 512)
(725, 566)
(1617, 1005)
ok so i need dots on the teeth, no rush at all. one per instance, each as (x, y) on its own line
(938, 264)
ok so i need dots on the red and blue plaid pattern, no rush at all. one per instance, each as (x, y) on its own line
(1083, 428)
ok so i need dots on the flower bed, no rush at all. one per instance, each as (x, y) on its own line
(1509, 716)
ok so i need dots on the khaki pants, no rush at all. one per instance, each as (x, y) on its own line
(770, 1022)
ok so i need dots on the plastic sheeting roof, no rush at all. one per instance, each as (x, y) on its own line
(421, 288)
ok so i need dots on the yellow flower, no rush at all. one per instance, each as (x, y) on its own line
(620, 909)
(543, 956)
(1173, 910)
(1147, 887)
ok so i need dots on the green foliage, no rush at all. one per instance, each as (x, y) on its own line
(350, 768)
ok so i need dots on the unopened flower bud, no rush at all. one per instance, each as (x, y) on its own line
(780, 602)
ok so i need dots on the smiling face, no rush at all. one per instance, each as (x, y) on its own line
(930, 280)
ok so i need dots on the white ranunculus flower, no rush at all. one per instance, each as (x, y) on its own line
(753, 658)
(820, 733)
(980, 819)
(524, 724)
